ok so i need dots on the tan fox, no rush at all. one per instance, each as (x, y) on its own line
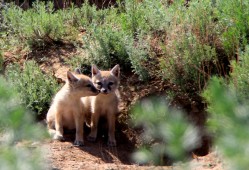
(66, 108)
(105, 103)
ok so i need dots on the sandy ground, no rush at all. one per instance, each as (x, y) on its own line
(98, 156)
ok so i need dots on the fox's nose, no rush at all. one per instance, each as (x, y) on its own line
(103, 90)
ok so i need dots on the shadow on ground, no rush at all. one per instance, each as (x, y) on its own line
(99, 149)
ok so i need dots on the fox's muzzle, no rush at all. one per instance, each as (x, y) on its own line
(103, 90)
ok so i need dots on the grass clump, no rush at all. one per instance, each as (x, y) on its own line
(36, 89)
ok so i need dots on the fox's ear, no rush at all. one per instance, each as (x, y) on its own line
(71, 78)
(95, 70)
(115, 70)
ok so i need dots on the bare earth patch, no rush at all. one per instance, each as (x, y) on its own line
(98, 156)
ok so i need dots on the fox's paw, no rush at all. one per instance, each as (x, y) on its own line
(78, 143)
(59, 137)
(91, 139)
(111, 143)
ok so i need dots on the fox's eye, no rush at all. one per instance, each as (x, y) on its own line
(110, 83)
(89, 85)
(99, 83)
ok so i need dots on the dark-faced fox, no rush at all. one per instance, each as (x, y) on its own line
(105, 103)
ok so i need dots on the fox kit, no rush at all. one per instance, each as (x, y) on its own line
(66, 108)
(105, 103)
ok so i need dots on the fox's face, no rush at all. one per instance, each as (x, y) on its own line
(106, 81)
(81, 85)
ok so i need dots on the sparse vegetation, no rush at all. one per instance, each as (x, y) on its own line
(183, 44)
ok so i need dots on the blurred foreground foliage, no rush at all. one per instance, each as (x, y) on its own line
(167, 133)
(16, 126)
(228, 123)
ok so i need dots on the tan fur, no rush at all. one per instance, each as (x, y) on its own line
(66, 109)
(105, 103)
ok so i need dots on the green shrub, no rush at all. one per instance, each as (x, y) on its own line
(143, 16)
(166, 132)
(108, 45)
(188, 66)
(240, 74)
(1, 62)
(190, 54)
(138, 52)
(228, 122)
(119, 35)
(133, 18)
(234, 17)
(77, 19)
(16, 125)
(202, 39)
(36, 26)
(2, 7)
(36, 88)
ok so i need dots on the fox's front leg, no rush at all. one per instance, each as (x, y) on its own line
(111, 118)
(94, 127)
(58, 127)
(79, 121)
